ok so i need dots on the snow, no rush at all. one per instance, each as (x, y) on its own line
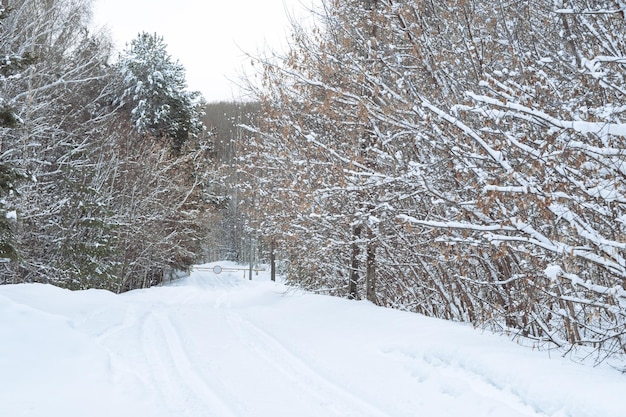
(553, 272)
(220, 345)
(602, 129)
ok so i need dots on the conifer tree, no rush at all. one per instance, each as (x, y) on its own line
(10, 176)
(155, 91)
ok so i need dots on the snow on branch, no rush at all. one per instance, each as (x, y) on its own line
(454, 224)
(589, 12)
(601, 129)
(494, 154)
(555, 271)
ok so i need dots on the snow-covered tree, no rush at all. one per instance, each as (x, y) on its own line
(535, 145)
(477, 145)
(10, 175)
(107, 208)
(61, 104)
(155, 91)
(154, 207)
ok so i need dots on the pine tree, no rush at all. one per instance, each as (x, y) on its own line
(155, 92)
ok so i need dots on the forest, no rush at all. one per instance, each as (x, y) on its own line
(105, 163)
(460, 159)
(464, 160)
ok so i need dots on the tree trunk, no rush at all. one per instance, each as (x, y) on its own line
(370, 269)
(272, 261)
(353, 292)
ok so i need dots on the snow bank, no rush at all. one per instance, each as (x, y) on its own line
(218, 344)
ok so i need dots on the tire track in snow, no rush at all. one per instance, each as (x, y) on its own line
(483, 385)
(130, 319)
(340, 401)
(129, 329)
(174, 374)
(455, 379)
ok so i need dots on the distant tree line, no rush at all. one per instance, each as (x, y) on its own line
(461, 159)
(230, 238)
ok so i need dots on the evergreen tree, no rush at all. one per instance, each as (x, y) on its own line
(155, 91)
(9, 175)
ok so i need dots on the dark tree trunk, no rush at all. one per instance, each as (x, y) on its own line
(370, 269)
(272, 261)
(353, 292)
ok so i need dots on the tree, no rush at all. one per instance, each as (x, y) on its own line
(9, 178)
(155, 90)
(10, 175)
(477, 144)
(60, 101)
(228, 121)
(534, 142)
(109, 207)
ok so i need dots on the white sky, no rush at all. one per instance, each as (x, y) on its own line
(209, 38)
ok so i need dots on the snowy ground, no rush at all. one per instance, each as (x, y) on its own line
(219, 345)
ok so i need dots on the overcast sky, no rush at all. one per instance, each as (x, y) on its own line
(208, 37)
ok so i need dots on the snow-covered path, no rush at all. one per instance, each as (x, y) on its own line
(219, 345)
